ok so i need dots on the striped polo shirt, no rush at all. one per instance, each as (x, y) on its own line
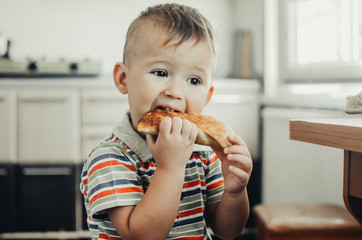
(119, 170)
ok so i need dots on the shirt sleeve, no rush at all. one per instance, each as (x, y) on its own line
(214, 180)
(110, 179)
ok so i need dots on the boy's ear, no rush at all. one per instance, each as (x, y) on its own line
(119, 77)
(209, 95)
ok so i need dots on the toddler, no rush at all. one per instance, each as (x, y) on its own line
(166, 187)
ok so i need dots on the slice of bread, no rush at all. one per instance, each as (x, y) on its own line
(211, 132)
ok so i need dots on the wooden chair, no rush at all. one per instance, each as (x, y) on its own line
(305, 222)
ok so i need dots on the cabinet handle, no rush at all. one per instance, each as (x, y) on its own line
(43, 100)
(53, 171)
(3, 172)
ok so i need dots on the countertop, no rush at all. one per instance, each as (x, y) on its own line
(343, 133)
(221, 84)
(99, 81)
(330, 96)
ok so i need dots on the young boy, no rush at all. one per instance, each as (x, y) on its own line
(165, 187)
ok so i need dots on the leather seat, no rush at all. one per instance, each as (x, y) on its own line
(307, 222)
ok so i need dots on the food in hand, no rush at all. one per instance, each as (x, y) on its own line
(211, 132)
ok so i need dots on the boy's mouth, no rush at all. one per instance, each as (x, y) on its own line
(162, 108)
(166, 108)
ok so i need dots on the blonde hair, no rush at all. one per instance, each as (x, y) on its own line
(178, 21)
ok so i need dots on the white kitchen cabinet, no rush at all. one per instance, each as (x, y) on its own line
(92, 135)
(8, 126)
(49, 125)
(299, 172)
(106, 105)
(102, 109)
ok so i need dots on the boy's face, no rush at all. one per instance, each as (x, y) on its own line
(157, 75)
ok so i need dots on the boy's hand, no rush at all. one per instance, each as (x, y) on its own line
(236, 165)
(173, 146)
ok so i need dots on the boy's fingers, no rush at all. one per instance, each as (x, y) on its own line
(242, 161)
(237, 149)
(239, 173)
(235, 139)
(176, 125)
(194, 131)
(165, 126)
(186, 128)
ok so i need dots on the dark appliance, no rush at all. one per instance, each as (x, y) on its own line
(7, 199)
(46, 198)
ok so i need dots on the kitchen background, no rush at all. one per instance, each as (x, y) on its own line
(78, 30)
(57, 100)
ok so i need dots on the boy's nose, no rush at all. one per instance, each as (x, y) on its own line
(174, 90)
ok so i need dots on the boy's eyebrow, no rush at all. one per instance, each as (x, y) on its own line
(166, 62)
(155, 60)
(201, 69)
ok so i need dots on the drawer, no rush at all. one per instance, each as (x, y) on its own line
(92, 135)
(103, 105)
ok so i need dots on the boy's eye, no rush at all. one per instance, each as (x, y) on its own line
(194, 81)
(160, 73)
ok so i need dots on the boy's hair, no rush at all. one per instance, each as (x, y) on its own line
(178, 21)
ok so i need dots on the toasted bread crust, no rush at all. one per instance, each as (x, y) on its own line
(211, 132)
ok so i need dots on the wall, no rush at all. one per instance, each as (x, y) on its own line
(249, 15)
(94, 29)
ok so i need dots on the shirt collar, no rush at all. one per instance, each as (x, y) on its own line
(126, 133)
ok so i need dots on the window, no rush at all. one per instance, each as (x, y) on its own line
(320, 40)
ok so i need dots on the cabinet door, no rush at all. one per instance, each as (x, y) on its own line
(49, 126)
(92, 135)
(102, 109)
(7, 125)
(299, 172)
(103, 106)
